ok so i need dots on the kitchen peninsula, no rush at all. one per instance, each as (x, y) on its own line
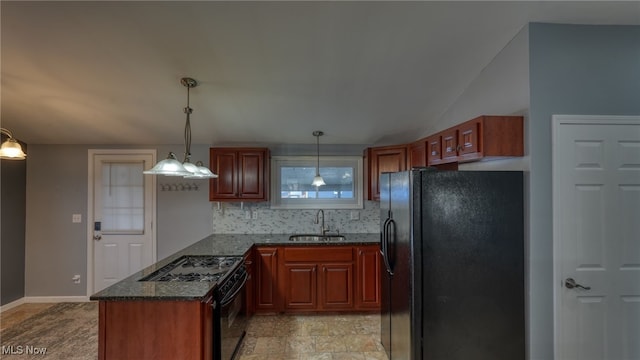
(176, 319)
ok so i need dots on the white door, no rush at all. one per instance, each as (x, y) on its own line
(596, 202)
(121, 215)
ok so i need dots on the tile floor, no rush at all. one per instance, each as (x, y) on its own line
(284, 337)
(20, 313)
(313, 337)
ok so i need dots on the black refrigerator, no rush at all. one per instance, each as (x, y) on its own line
(452, 245)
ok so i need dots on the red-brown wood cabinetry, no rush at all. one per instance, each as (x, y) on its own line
(155, 329)
(481, 138)
(368, 277)
(383, 159)
(243, 174)
(267, 284)
(336, 286)
(418, 153)
(318, 278)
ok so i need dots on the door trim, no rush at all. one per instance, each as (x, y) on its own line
(90, 242)
(556, 122)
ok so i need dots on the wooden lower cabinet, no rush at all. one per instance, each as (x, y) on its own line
(336, 286)
(155, 330)
(267, 285)
(302, 284)
(368, 278)
(317, 278)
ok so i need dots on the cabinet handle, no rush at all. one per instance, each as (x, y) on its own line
(434, 153)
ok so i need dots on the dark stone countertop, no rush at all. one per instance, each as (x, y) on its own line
(218, 244)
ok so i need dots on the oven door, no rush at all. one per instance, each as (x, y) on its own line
(231, 322)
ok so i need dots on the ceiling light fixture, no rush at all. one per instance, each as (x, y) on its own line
(171, 166)
(11, 149)
(318, 180)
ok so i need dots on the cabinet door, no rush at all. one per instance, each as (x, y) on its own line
(336, 282)
(450, 145)
(267, 294)
(301, 285)
(384, 159)
(368, 277)
(418, 153)
(224, 162)
(468, 138)
(434, 150)
(251, 180)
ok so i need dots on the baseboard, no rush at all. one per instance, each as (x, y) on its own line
(12, 304)
(55, 299)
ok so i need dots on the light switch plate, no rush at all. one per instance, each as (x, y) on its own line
(76, 218)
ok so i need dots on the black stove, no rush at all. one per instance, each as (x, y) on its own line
(195, 268)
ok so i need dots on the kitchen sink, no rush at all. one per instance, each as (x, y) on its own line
(316, 237)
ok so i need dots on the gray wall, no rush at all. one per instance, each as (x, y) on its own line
(56, 248)
(573, 70)
(13, 180)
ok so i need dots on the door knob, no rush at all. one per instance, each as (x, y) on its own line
(569, 283)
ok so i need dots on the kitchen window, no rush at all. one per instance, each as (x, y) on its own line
(291, 178)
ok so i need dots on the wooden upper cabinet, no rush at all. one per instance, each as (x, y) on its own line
(480, 138)
(449, 145)
(434, 149)
(418, 153)
(243, 174)
(380, 160)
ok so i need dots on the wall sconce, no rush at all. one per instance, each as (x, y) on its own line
(11, 149)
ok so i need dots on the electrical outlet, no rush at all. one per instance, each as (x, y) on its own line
(254, 214)
(76, 218)
(355, 215)
(76, 279)
(247, 215)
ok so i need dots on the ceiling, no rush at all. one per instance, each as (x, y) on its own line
(269, 72)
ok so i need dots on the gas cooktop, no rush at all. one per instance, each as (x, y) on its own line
(195, 268)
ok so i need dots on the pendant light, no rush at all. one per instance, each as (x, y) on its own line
(11, 149)
(171, 166)
(318, 180)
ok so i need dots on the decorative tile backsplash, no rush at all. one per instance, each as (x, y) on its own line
(259, 218)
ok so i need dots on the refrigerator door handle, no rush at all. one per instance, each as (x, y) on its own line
(385, 255)
(383, 236)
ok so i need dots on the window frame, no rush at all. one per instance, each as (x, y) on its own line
(355, 162)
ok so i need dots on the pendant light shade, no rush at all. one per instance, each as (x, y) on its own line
(11, 149)
(171, 166)
(318, 180)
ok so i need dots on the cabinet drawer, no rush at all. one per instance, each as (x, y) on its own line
(319, 253)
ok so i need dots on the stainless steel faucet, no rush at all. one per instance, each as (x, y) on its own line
(323, 231)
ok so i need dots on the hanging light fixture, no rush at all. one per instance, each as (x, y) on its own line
(11, 149)
(171, 166)
(318, 180)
